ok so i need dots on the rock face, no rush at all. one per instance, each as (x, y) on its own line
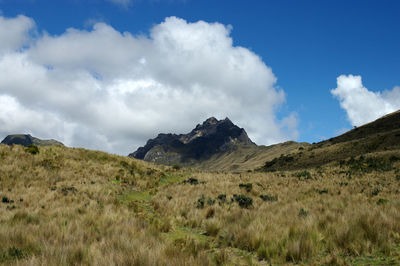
(26, 139)
(211, 137)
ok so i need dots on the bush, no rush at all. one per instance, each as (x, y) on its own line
(247, 186)
(322, 191)
(375, 192)
(243, 201)
(191, 180)
(15, 253)
(4, 199)
(210, 201)
(201, 202)
(304, 174)
(303, 213)
(268, 198)
(176, 167)
(222, 198)
(382, 201)
(32, 149)
(65, 190)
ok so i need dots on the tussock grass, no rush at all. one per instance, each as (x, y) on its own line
(66, 206)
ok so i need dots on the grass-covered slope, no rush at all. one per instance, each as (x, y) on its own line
(66, 206)
(244, 157)
(380, 138)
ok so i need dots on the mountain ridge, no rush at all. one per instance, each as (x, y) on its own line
(27, 139)
(214, 145)
(206, 139)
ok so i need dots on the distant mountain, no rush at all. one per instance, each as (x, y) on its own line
(380, 138)
(26, 139)
(201, 143)
(212, 145)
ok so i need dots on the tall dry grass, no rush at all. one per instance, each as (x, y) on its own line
(67, 206)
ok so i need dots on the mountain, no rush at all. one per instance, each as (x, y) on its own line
(26, 139)
(201, 143)
(212, 145)
(380, 138)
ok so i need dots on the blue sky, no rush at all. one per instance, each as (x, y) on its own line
(307, 44)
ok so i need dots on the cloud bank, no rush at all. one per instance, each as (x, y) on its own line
(362, 105)
(110, 90)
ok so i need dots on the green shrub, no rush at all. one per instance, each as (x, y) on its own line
(382, 201)
(243, 201)
(305, 174)
(210, 201)
(247, 186)
(268, 198)
(322, 191)
(32, 149)
(5, 199)
(375, 192)
(303, 213)
(201, 202)
(222, 198)
(191, 180)
(15, 253)
(176, 167)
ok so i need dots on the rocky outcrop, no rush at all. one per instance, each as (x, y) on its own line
(26, 140)
(207, 139)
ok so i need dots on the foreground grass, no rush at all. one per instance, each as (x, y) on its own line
(67, 206)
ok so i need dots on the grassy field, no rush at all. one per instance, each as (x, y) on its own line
(65, 206)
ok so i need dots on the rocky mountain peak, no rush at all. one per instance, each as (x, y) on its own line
(27, 139)
(211, 121)
(205, 140)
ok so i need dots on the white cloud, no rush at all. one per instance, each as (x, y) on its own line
(362, 105)
(14, 32)
(103, 89)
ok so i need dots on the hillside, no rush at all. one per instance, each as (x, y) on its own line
(66, 206)
(380, 138)
(217, 145)
(245, 158)
(26, 140)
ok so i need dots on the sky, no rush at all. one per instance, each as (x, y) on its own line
(110, 74)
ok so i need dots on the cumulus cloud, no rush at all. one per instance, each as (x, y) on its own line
(362, 105)
(14, 32)
(110, 90)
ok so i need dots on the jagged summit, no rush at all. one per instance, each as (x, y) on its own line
(27, 139)
(205, 140)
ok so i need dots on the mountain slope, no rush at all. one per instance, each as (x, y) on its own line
(214, 145)
(26, 139)
(380, 138)
(207, 139)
